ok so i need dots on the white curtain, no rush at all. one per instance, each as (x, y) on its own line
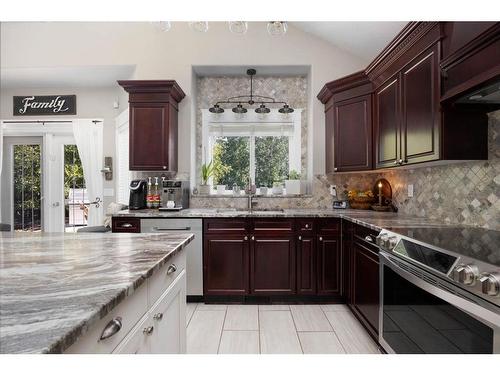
(88, 137)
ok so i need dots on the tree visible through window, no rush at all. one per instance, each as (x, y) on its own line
(232, 159)
(271, 160)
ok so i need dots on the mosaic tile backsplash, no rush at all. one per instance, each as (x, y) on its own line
(460, 193)
(292, 89)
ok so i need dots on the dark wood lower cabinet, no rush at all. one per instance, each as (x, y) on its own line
(365, 293)
(225, 265)
(272, 267)
(329, 265)
(306, 265)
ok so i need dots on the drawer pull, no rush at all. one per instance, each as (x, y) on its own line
(245, 238)
(171, 269)
(253, 238)
(126, 225)
(307, 226)
(158, 229)
(148, 330)
(321, 238)
(158, 316)
(111, 328)
(300, 238)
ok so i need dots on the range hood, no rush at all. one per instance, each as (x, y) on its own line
(487, 94)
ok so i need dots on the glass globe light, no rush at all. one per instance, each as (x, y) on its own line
(238, 27)
(199, 26)
(277, 28)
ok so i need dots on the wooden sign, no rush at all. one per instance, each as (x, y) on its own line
(49, 105)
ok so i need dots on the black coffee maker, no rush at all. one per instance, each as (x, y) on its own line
(138, 192)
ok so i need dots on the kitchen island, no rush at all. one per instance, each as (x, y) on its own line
(56, 289)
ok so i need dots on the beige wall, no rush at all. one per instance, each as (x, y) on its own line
(171, 55)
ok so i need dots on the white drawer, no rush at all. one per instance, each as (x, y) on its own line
(158, 284)
(129, 310)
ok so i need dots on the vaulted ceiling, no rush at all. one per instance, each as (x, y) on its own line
(362, 39)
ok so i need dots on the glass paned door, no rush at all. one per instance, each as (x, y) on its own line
(27, 187)
(76, 200)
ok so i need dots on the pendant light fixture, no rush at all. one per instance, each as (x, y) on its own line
(200, 26)
(251, 100)
(164, 25)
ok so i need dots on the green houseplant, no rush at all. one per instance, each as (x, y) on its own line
(293, 184)
(207, 171)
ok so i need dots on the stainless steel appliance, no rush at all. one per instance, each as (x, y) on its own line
(138, 192)
(439, 290)
(194, 266)
(176, 191)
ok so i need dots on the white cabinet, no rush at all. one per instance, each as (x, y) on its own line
(138, 340)
(152, 320)
(169, 319)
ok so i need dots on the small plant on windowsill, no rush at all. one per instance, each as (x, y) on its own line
(207, 171)
(278, 187)
(293, 185)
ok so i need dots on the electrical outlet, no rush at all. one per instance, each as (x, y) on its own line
(333, 190)
(410, 190)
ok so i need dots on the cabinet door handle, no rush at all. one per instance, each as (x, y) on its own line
(307, 226)
(321, 238)
(400, 161)
(300, 238)
(395, 162)
(171, 269)
(126, 225)
(253, 238)
(164, 167)
(245, 238)
(158, 316)
(335, 169)
(369, 239)
(148, 330)
(111, 328)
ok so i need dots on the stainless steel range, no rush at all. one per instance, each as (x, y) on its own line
(440, 290)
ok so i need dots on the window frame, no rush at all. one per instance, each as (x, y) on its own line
(253, 125)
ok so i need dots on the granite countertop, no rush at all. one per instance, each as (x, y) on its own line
(372, 219)
(54, 286)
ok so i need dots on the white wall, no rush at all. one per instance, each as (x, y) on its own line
(91, 103)
(171, 55)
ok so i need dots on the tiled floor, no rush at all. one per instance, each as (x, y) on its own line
(273, 329)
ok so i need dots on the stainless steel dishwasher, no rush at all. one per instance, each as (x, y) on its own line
(194, 267)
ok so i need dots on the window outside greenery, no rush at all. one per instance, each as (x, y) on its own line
(231, 156)
(271, 160)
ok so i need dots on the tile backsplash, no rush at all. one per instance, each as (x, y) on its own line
(459, 193)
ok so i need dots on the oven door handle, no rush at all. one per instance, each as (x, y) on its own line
(479, 312)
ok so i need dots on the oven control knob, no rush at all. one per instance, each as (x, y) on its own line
(393, 241)
(490, 284)
(382, 240)
(466, 274)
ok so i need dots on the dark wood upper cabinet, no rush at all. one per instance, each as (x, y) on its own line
(153, 107)
(348, 124)
(387, 128)
(420, 122)
(416, 84)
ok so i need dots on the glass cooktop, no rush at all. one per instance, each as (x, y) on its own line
(476, 243)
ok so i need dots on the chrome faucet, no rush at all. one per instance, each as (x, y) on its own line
(251, 190)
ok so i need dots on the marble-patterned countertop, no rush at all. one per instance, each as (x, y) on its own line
(372, 219)
(53, 286)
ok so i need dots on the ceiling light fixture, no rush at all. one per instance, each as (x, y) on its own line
(251, 100)
(199, 26)
(164, 25)
(277, 28)
(238, 27)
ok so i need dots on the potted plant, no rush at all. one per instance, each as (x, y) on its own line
(293, 184)
(278, 187)
(207, 171)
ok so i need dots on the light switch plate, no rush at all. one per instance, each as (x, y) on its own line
(410, 190)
